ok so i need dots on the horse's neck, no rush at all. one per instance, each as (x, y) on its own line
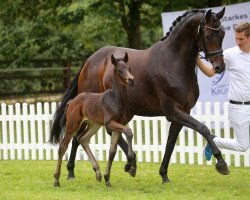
(183, 41)
(118, 90)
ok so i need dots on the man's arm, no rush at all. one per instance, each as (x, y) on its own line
(207, 70)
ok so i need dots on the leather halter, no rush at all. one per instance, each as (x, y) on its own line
(208, 54)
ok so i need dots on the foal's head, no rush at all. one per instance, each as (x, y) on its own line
(123, 70)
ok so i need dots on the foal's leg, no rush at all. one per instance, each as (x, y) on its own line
(61, 151)
(75, 144)
(84, 141)
(172, 137)
(130, 167)
(72, 125)
(118, 129)
(112, 151)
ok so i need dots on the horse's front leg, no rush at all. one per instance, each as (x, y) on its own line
(188, 121)
(75, 144)
(172, 137)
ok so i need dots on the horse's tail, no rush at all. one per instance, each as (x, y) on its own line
(59, 119)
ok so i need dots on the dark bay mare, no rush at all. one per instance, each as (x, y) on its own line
(166, 81)
(96, 110)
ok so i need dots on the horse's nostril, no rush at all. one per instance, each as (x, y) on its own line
(217, 69)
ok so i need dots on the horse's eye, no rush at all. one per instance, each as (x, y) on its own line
(208, 37)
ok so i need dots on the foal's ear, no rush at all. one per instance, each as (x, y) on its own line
(125, 59)
(220, 14)
(113, 60)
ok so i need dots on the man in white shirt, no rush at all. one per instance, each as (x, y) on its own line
(237, 60)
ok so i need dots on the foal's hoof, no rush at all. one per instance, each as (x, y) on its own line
(132, 171)
(108, 184)
(127, 167)
(222, 168)
(98, 177)
(56, 184)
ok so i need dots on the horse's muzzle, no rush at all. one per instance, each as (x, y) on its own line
(218, 70)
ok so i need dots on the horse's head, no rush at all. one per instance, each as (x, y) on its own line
(210, 37)
(123, 70)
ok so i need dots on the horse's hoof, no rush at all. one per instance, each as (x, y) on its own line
(132, 171)
(165, 180)
(222, 168)
(56, 184)
(71, 175)
(71, 178)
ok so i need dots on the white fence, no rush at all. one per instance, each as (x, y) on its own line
(24, 132)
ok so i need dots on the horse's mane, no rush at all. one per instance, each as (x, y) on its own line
(181, 18)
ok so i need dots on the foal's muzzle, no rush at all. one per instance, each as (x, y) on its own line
(131, 82)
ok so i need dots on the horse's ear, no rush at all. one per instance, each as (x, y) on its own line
(125, 59)
(220, 14)
(208, 15)
(113, 60)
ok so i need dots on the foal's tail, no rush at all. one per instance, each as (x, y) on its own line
(59, 119)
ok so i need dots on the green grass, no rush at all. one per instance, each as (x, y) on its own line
(34, 180)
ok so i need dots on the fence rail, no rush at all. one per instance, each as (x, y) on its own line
(24, 132)
(36, 76)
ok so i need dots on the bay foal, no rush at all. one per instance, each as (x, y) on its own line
(97, 109)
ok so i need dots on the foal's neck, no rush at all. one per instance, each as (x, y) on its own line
(118, 89)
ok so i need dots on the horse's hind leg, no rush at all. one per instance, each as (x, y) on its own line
(84, 141)
(172, 137)
(75, 144)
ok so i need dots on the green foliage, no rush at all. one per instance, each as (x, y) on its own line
(74, 29)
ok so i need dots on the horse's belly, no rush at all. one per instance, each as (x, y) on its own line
(144, 104)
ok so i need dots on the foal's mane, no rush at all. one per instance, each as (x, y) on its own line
(179, 20)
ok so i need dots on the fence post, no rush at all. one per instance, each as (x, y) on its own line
(4, 131)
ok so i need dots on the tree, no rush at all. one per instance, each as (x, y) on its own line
(76, 28)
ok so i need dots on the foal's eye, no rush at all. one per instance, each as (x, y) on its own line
(119, 71)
